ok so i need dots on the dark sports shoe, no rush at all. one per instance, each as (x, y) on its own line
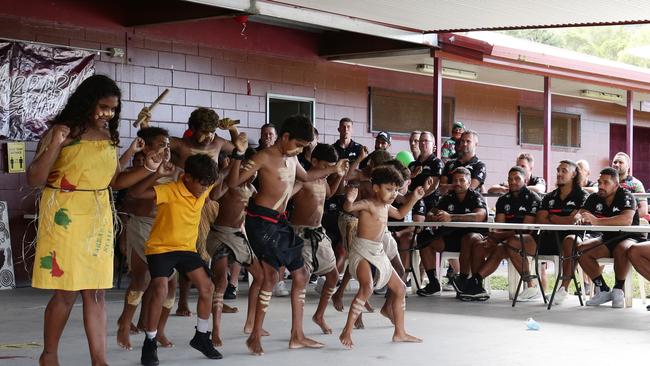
(149, 352)
(459, 284)
(430, 289)
(203, 344)
(450, 273)
(474, 291)
(231, 293)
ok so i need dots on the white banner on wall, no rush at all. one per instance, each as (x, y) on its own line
(7, 280)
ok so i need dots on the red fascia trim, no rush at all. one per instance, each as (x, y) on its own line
(469, 50)
(571, 64)
(546, 70)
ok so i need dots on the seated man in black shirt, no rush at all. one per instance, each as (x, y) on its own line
(611, 206)
(427, 165)
(517, 206)
(460, 204)
(559, 207)
(467, 159)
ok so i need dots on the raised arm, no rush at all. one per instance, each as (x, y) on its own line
(411, 199)
(313, 174)
(144, 188)
(136, 146)
(123, 180)
(350, 205)
(334, 184)
(219, 189)
(238, 174)
(228, 146)
(354, 167)
(297, 186)
(46, 154)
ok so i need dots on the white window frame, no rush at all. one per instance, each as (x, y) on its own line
(293, 98)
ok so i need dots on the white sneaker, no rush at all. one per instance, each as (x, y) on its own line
(618, 298)
(280, 289)
(320, 283)
(560, 296)
(529, 294)
(600, 298)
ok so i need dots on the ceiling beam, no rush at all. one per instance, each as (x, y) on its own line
(348, 45)
(142, 13)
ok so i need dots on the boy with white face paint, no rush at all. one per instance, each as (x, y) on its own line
(138, 228)
(366, 249)
(306, 217)
(273, 240)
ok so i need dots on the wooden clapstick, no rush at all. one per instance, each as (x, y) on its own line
(153, 105)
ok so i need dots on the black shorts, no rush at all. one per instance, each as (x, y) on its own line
(612, 240)
(330, 220)
(162, 265)
(549, 244)
(272, 238)
(425, 237)
(452, 237)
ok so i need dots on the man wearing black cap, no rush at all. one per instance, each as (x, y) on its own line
(382, 141)
(448, 151)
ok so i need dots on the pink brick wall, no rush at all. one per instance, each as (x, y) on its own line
(204, 75)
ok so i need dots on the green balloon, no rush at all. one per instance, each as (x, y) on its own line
(405, 157)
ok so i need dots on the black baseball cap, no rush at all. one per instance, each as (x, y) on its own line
(384, 136)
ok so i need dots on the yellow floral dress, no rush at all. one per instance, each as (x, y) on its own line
(74, 244)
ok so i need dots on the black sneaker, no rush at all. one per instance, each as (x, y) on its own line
(203, 344)
(231, 293)
(149, 352)
(450, 273)
(313, 278)
(459, 284)
(474, 291)
(430, 289)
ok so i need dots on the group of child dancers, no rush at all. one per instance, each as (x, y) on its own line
(173, 190)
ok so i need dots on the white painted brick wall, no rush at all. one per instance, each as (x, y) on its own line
(186, 80)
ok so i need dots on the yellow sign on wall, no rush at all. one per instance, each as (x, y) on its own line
(16, 157)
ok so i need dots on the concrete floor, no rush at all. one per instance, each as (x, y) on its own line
(455, 333)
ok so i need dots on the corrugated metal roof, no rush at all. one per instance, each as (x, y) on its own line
(465, 15)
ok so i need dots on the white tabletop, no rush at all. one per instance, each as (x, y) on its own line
(532, 227)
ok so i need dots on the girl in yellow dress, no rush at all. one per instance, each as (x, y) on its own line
(76, 163)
